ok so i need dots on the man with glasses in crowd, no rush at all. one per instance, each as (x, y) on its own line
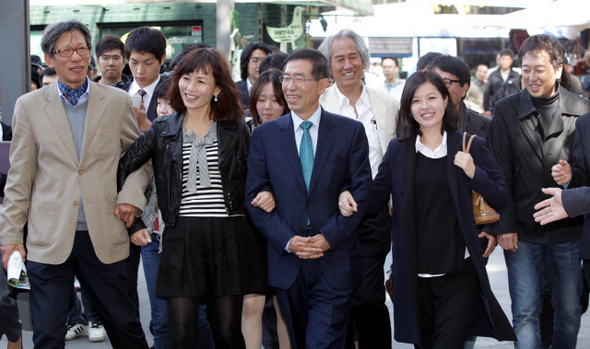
(249, 62)
(308, 157)
(68, 138)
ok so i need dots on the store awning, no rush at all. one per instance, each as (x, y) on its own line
(361, 7)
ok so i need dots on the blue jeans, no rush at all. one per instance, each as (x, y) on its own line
(564, 273)
(151, 263)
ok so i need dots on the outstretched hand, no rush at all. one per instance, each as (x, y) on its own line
(552, 209)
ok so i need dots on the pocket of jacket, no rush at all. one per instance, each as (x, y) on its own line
(41, 223)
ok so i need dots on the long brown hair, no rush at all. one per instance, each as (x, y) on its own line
(211, 61)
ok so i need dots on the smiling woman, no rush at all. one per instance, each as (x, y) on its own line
(199, 157)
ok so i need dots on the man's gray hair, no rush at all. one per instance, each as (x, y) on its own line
(55, 30)
(326, 46)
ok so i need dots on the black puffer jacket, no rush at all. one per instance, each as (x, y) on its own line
(163, 144)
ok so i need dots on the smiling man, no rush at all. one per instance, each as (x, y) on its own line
(531, 131)
(308, 156)
(68, 138)
(348, 55)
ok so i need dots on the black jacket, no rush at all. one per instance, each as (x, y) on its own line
(524, 159)
(498, 89)
(163, 144)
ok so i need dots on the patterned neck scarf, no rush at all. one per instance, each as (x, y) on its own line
(72, 95)
(198, 157)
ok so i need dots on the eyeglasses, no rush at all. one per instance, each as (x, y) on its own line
(286, 80)
(68, 52)
(255, 60)
(449, 82)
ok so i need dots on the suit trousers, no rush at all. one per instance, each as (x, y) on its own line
(316, 313)
(369, 312)
(107, 286)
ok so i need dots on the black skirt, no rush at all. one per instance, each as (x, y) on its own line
(210, 257)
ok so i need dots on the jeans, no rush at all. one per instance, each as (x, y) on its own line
(564, 274)
(151, 262)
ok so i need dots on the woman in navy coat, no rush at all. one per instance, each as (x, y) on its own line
(441, 289)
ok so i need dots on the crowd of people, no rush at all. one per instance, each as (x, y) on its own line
(263, 210)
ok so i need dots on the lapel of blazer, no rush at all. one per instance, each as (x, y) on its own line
(329, 100)
(407, 223)
(56, 113)
(380, 113)
(289, 145)
(325, 141)
(94, 114)
(454, 144)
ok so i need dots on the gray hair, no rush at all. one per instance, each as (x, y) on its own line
(55, 30)
(326, 46)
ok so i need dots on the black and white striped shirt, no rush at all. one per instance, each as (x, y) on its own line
(207, 201)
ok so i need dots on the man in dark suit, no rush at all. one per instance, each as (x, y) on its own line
(250, 60)
(531, 131)
(308, 157)
(145, 49)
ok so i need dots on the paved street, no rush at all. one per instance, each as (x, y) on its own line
(496, 271)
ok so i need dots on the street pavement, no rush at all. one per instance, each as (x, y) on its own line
(496, 271)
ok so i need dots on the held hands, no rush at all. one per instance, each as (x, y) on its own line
(509, 241)
(465, 161)
(491, 243)
(562, 172)
(265, 200)
(309, 247)
(552, 209)
(126, 213)
(346, 204)
(141, 237)
(7, 251)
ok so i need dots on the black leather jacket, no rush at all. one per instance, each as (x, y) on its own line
(163, 144)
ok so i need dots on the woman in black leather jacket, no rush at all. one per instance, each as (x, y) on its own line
(199, 155)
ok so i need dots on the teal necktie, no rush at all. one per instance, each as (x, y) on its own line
(306, 152)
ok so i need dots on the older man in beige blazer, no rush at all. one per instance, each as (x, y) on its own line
(348, 55)
(67, 141)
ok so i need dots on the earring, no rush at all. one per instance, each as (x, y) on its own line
(215, 99)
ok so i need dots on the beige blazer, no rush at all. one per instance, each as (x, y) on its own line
(384, 107)
(45, 178)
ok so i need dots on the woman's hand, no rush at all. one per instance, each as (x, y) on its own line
(265, 200)
(491, 243)
(346, 204)
(141, 237)
(465, 161)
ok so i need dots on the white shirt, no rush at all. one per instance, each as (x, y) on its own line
(149, 91)
(367, 118)
(313, 130)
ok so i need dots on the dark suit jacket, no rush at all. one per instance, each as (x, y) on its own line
(341, 161)
(244, 95)
(576, 201)
(396, 177)
(478, 124)
(524, 159)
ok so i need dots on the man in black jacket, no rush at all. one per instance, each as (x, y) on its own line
(531, 131)
(503, 82)
(250, 59)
